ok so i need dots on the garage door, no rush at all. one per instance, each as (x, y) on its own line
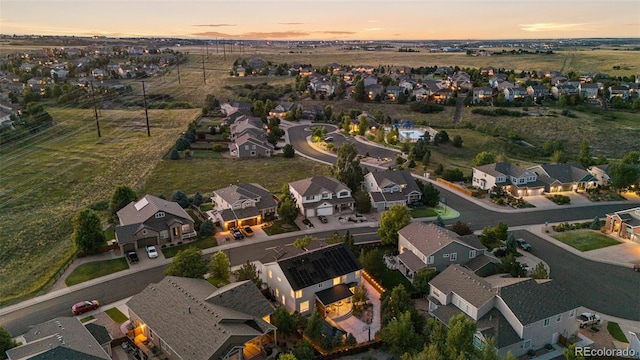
(142, 243)
(310, 213)
(250, 222)
(325, 211)
(128, 247)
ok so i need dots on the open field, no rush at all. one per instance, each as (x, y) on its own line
(45, 181)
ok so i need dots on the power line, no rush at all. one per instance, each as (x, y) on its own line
(146, 113)
(95, 110)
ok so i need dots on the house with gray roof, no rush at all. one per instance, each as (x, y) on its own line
(322, 278)
(243, 204)
(482, 94)
(283, 108)
(538, 92)
(624, 224)
(60, 338)
(247, 146)
(423, 245)
(247, 124)
(373, 90)
(514, 93)
(509, 177)
(564, 177)
(393, 92)
(184, 318)
(152, 221)
(391, 187)
(521, 316)
(321, 195)
(589, 91)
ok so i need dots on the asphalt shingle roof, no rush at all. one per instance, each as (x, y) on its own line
(428, 238)
(565, 173)
(465, 284)
(531, 302)
(140, 211)
(247, 191)
(317, 184)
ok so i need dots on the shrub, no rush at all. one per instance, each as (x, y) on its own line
(219, 147)
(559, 199)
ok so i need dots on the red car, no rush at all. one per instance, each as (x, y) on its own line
(83, 307)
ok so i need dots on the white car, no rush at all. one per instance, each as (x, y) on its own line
(152, 252)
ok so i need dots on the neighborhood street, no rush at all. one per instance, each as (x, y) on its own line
(601, 287)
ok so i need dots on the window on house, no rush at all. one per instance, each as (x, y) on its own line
(343, 194)
(527, 344)
(445, 255)
(572, 313)
(344, 278)
(358, 273)
(246, 147)
(164, 234)
(325, 195)
(453, 257)
(298, 294)
(151, 333)
(430, 260)
(279, 279)
(336, 281)
(253, 153)
(176, 231)
(270, 274)
(292, 293)
(277, 292)
(309, 197)
(159, 214)
(472, 254)
(284, 300)
(320, 286)
(546, 322)
(559, 318)
(253, 147)
(304, 306)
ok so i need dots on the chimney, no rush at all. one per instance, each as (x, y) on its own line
(189, 308)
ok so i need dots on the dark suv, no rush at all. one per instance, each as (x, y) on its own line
(523, 244)
(132, 256)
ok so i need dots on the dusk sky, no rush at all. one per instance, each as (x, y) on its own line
(324, 20)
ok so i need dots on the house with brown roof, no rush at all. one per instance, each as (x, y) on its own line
(323, 278)
(247, 146)
(515, 93)
(373, 91)
(184, 318)
(538, 92)
(63, 338)
(520, 316)
(152, 221)
(589, 91)
(391, 187)
(423, 245)
(625, 224)
(509, 177)
(243, 204)
(321, 195)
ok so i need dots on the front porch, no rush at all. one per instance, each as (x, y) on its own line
(335, 303)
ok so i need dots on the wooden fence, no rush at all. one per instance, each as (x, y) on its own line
(457, 187)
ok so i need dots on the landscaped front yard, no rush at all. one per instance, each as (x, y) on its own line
(96, 269)
(586, 240)
(202, 244)
(422, 212)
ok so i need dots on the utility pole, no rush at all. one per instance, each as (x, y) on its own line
(207, 45)
(216, 45)
(95, 109)
(178, 65)
(204, 76)
(146, 112)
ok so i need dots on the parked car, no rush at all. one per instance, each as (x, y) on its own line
(636, 267)
(323, 219)
(152, 252)
(588, 319)
(237, 234)
(523, 244)
(247, 231)
(132, 256)
(328, 139)
(357, 218)
(84, 306)
(307, 222)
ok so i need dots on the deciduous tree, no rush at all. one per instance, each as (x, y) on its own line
(460, 338)
(219, 269)
(484, 158)
(421, 279)
(302, 242)
(391, 221)
(188, 263)
(288, 210)
(347, 168)
(399, 335)
(121, 197)
(248, 271)
(87, 231)
(6, 342)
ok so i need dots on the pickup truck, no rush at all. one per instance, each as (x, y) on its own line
(588, 319)
(133, 257)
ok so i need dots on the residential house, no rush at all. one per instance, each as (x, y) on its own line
(368, 69)
(391, 187)
(421, 94)
(243, 205)
(619, 91)
(502, 85)
(126, 72)
(321, 279)
(482, 94)
(564, 177)
(334, 67)
(430, 246)
(60, 338)
(407, 85)
(393, 92)
(152, 221)
(184, 318)
(374, 91)
(59, 73)
(589, 91)
(488, 70)
(150, 69)
(508, 177)
(5, 118)
(313, 112)
(564, 89)
(246, 124)
(247, 146)
(496, 79)
(460, 80)
(519, 317)
(283, 109)
(322, 85)
(233, 106)
(257, 63)
(538, 92)
(515, 93)
(321, 195)
(625, 224)
(98, 73)
(369, 80)
(600, 174)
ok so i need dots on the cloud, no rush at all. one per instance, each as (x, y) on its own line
(216, 25)
(373, 29)
(539, 27)
(338, 32)
(291, 23)
(256, 35)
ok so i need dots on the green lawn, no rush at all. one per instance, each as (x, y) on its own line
(280, 227)
(209, 242)
(423, 212)
(88, 318)
(616, 332)
(586, 240)
(117, 315)
(96, 269)
(393, 278)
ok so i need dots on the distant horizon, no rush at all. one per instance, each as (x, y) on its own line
(328, 20)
